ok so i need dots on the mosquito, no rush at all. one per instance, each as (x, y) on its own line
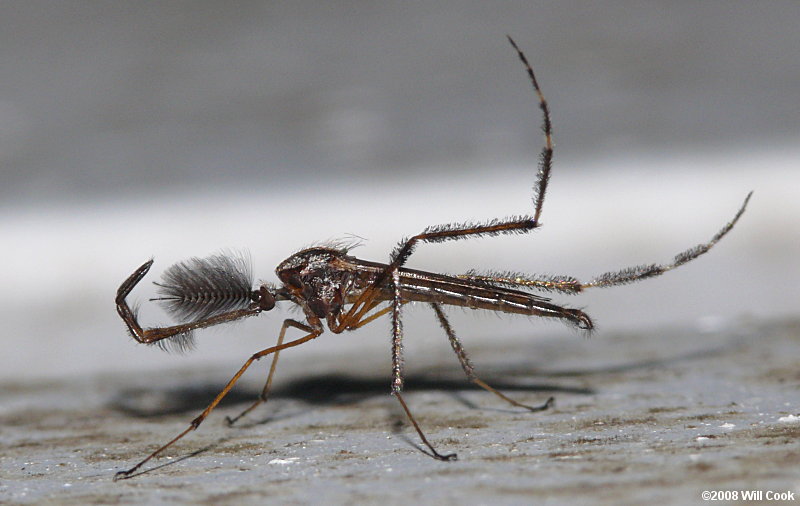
(344, 293)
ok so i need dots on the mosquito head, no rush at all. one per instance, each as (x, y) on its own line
(264, 297)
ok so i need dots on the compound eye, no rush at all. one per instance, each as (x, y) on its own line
(266, 300)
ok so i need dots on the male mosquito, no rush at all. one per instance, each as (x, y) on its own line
(343, 292)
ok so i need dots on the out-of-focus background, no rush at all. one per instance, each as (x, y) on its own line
(132, 130)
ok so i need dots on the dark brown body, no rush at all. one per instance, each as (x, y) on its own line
(322, 280)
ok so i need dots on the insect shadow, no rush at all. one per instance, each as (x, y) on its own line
(321, 390)
(342, 389)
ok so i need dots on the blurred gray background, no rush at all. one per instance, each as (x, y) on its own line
(174, 129)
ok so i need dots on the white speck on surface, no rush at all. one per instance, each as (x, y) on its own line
(789, 419)
(727, 426)
(283, 462)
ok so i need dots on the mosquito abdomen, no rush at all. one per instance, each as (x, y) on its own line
(454, 292)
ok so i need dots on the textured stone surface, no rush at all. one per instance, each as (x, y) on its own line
(639, 418)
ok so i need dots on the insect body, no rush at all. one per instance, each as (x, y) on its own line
(341, 292)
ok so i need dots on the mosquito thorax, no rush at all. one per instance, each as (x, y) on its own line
(309, 258)
(308, 264)
(314, 277)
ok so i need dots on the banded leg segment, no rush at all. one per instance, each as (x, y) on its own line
(458, 348)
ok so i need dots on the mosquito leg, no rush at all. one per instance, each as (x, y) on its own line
(439, 233)
(268, 385)
(197, 421)
(436, 455)
(372, 317)
(546, 156)
(397, 366)
(397, 352)
(155, 334)
(570, 285)
(349, 321)
(632, 274)
(469, 370)
(457, 231)
(397, 336)
(353, 321)
(562, 284)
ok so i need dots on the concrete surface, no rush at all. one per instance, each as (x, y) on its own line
(655, 417)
